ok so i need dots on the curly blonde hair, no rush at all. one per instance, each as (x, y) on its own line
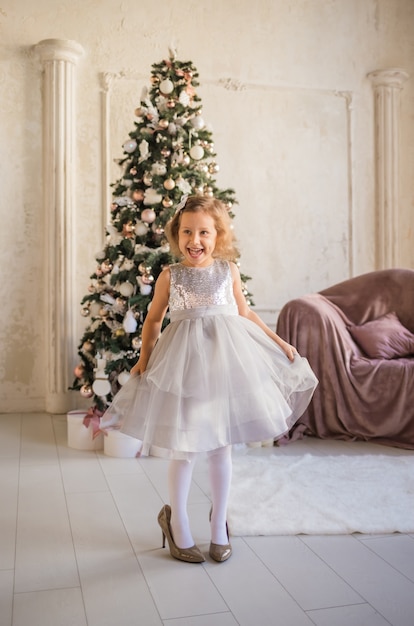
(226, 245)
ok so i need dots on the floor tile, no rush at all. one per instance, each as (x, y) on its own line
(44, 550)
(397, 550)
(10, 429)
(360, 615)
(180, 589)
(112, 466)
(6, 597)
(213, 619)
(9, 483)
(63, 607)
(38, 440)
(114, 588)
(251, 592)
(303, 574)
(386, 590)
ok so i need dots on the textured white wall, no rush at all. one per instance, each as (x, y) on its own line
(293, 129)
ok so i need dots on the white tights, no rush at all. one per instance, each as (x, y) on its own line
(179, 481)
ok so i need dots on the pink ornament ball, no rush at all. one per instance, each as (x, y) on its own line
(78, 371)
(148, 215)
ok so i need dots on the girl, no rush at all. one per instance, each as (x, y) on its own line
(216, 376)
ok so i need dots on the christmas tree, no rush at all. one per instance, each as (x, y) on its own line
(169, 154)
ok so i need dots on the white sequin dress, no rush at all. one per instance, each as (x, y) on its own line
(214, 377)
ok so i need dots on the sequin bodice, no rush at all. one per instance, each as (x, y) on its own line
(192, 287)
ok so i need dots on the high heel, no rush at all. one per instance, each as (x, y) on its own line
(220, 552)
(189, 555)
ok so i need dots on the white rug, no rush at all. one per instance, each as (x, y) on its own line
(309, 494)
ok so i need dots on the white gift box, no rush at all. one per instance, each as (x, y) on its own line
(120, 445)
(80, 437)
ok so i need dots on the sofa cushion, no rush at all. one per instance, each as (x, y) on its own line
(384, 338)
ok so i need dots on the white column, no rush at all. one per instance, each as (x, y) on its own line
(387, 86)
(106, 79)
(59, 58)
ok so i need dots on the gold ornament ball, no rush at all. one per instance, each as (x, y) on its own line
(169, 184)
(147, 279)
(86, 391)
(167, 202)
(120, 332)
(144, 269)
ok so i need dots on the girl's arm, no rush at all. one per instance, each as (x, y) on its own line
(245, 311)
(152, 325)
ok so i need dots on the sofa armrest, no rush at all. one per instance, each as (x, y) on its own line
(307, 321)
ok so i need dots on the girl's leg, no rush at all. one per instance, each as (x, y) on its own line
(179, 482)
(220, 471)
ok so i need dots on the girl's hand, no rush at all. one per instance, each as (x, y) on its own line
(139, 368)
(289, 350)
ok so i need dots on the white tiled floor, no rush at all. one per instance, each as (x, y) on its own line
(80, 545)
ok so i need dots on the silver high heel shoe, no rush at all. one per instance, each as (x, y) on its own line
(220, 552)
(189, 555)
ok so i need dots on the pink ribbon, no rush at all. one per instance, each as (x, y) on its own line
(93, 416)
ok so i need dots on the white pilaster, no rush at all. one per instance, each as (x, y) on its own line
(387, 85)
(59, 58)
(106, 79)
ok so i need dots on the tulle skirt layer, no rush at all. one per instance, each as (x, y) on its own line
(213, 379)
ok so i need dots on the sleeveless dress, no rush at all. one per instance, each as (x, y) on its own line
(214, 377)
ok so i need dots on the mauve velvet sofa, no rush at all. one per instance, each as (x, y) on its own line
(357, 336)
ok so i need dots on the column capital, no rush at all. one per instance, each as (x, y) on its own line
(392, 77)
(59, 50)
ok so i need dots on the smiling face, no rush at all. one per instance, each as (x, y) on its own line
(197, 236)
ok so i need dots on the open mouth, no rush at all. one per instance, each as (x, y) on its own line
(195, 253)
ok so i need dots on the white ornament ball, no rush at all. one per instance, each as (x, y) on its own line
(124, 377)
(166, 86)
(141, 229)
(196, 152)
(145, 290)
(159, 169)
(197, 122)
(151, 196)
(130, 146)
(130, 323)
(126, 289)
(101, 387)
